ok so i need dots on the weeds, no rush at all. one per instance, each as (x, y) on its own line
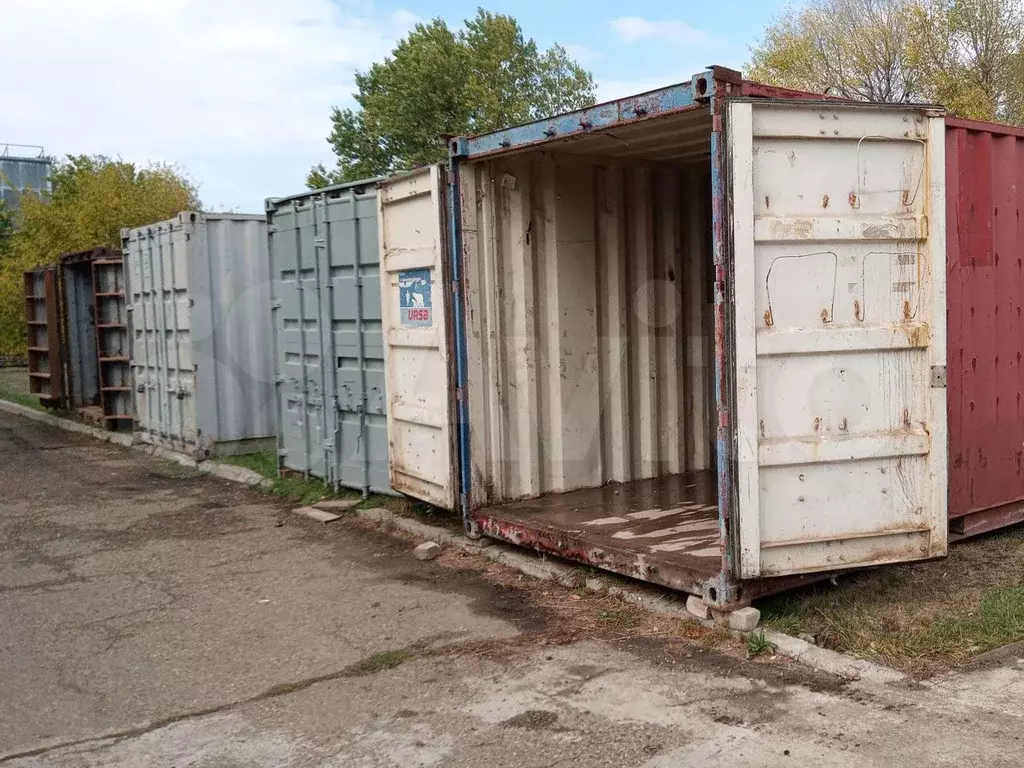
(758, 644)
(379, 662)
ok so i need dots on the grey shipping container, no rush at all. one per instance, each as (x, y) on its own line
(330, 385)
(199, 301)
(19, 172)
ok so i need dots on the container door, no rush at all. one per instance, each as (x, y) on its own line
(42, 313)
(157, 261)
(413, 305)
(838, 246)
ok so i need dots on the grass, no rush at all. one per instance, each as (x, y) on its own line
(379, 662)
(618, 617)
(299, 490)
(921, 618)
(14, 388)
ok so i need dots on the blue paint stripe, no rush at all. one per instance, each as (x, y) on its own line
(461, 378)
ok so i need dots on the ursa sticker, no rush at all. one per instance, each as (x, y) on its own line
(414, 298)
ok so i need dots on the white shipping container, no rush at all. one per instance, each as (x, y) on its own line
(570, 392)
(202, 353)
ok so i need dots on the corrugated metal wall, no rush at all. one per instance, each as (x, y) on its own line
(199, 287)
(588, 321)
(985, 290)
(331, 398)
(18, 174)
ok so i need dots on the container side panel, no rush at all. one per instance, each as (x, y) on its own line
(234, 341)
(841, 423)
(413, 304)
(985, 283)
(586, 323)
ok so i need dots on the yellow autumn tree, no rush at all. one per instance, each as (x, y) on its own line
(967, 55)
(91, 199)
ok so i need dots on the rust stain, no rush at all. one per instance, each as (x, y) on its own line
(768, 319)
(906, 197)
(856, 310)
(824, 201)
(824, 315)
(767, 202)
(801, 229)
(918, 335)
(817, 423)
(906, 309)
(761, 424)
(906, 419)
(842, 425)
(853, 199)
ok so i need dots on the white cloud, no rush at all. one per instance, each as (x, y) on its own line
(581, 54)
(633, 28)
(236, 91)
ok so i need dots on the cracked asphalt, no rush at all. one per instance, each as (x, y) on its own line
(151, 616)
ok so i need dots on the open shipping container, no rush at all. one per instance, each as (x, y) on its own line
(94, 333)
(201, 351)
(328, 344)
(695, 336)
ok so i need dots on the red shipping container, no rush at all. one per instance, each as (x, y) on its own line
(985, 331)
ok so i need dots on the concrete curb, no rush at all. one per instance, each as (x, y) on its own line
(224, 471)
(649, 598)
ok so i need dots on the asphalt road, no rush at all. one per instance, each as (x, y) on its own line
(150, 616)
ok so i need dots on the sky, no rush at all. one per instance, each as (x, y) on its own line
(238, 93)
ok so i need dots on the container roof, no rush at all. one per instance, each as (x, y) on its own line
(667, 124)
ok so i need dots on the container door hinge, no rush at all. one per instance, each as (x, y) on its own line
(939, 376)
(320, 242)
(275, 304)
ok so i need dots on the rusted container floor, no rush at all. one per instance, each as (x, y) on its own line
(663, 530)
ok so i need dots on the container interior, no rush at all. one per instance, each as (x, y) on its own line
(590, 344)
(81, 348)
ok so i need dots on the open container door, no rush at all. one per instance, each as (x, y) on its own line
(413, 304)
(838, 260)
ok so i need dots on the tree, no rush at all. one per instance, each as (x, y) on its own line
(6, 229)
(857, 49)
(440, 82)
(91, 199)
(963, 54)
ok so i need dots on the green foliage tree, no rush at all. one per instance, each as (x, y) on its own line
(6, 229)
(91, 199)
(440, 82)
(965, 54)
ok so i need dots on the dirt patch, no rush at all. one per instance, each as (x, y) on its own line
(550, 615)
(532, 720)
(923, 618)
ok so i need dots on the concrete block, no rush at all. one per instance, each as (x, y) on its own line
(317, 514)
(337, 505)
(742, 619)
(428, 550)
(698, 607)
